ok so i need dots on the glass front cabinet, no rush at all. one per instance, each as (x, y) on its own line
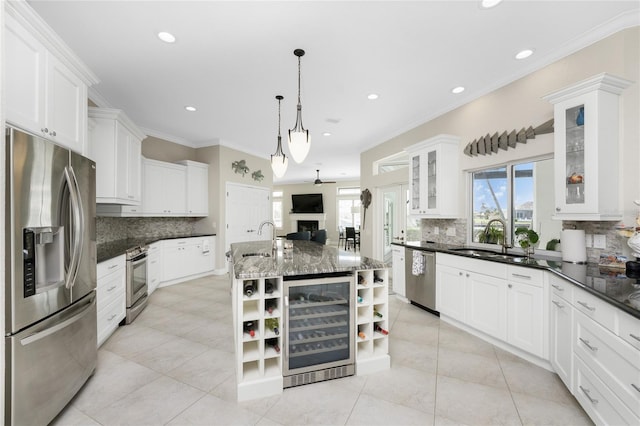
(433, 177)
(586, 149)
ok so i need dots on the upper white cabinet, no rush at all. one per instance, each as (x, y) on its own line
(116, 145)
(164, 189)
(45, 86)
(586, 148)
(433, 177)
(197, 188)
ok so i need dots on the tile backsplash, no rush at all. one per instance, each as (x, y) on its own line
(455, 226)
(615, 243)
(118, 228)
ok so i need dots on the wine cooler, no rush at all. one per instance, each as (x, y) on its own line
(320, 325)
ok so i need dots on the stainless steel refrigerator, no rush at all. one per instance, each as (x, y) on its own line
(50, 281)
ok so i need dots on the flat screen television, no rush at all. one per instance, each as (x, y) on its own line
(307, 203)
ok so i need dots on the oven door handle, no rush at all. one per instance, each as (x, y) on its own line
(141, 258)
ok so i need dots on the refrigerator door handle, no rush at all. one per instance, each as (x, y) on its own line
(78, 225)
(39, 335)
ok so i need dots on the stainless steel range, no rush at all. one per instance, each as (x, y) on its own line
(137, 290)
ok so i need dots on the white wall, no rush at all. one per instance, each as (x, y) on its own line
(520, 104)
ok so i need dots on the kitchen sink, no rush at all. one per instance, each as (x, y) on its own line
(256, 255)
(486, 253)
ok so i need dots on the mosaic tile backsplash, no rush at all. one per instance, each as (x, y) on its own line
(615, 243)
(118, 228)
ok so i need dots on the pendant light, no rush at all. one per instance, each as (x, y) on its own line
(279, 161)
(299, 140)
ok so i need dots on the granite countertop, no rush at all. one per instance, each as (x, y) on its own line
(307, 258)
(111, 249)
(610, 285)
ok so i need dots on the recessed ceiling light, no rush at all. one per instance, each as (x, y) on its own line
(326, 134)
(488, 4)
(166, 37)
(372, 96)
(524, 54)
(190, 108)
(457, 90)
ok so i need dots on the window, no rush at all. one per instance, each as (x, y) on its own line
(521, 195)
(392, 163)
(277, 208)
(348, 207)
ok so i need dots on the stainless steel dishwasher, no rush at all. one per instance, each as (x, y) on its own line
(421, 288)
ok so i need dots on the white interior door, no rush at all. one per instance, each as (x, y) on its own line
(246, 207)
(395, 225)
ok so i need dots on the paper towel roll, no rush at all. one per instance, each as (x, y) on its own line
(573, 246)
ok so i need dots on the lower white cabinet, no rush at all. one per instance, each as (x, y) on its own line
(185, 257)
(154, 270)
(110, 296)
(561, 339)
(503, 302)
(399, 286)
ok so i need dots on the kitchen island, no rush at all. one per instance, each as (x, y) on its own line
(305, 314)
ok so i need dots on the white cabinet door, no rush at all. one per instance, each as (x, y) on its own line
(525, 317)
(451, 299)
(433, 177)
(154, 271)
(399, 286)
(197, 188)
(66, 111)
(586, 149)
(134, 169)
(246, 208)
(153, 196)
(175, 183)
(164, 189)
(25, 81)
(120, 172)
(561, 350)
(487, 305)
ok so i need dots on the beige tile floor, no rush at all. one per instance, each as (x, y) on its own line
(174, 365)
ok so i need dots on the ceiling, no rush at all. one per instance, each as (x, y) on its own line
(231, 58)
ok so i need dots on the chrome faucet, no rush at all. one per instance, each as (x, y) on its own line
(504, 233)
(274, 247)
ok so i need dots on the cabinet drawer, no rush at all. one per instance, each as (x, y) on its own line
(629, 329)
(562, 288)
(110, 266)
(598, 401)
(179, 242)
(109, 318)
(529, 276)
(614, 361)
(484, 267)
(596, 309)
(110, 288)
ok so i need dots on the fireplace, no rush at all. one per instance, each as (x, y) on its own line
(310, 221)
(308, 225)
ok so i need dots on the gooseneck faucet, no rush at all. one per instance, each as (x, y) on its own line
(504, 233)
(274, 247)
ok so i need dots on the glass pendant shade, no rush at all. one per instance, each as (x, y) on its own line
(279, 161)
(299, 140)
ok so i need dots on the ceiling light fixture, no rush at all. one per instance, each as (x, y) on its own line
(524, 54)
(166, 37)
(279, 161)
(488, 4)
(299, 140)
(457, 90)
(372, 96)
(190, 108)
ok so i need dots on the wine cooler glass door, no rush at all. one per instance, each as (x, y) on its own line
(319, 324)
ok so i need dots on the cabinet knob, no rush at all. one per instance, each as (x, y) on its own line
(460, 273)
(53, 133)
(510, 285)
(44, 130)
(467, 275)
(557, 209)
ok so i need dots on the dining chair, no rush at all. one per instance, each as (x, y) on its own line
(303, 235)
(351, 237)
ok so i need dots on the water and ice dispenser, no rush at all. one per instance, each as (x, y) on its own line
(43, 259)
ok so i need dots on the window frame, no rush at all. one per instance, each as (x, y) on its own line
(510, 165)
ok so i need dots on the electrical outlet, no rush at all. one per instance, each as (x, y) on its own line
(451, 231)
(599, 241)
(436, 230)
(588, 240)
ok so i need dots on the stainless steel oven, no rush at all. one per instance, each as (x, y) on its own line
(137, 290)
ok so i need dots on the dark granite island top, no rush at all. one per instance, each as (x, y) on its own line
(307, 258)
